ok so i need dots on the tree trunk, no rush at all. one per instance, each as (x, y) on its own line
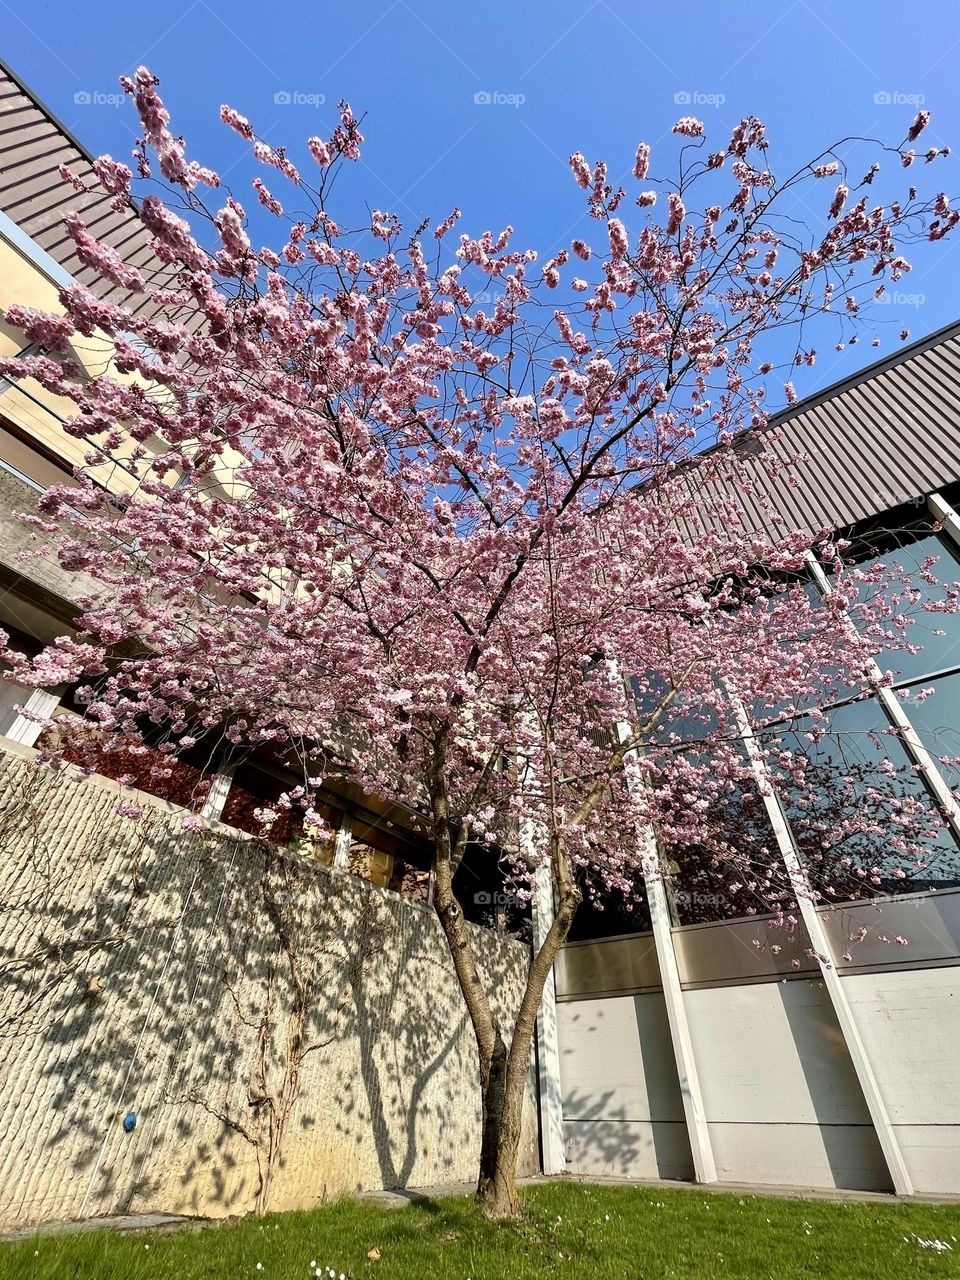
(500, 1141)
(503, 1071)
(504, 1086)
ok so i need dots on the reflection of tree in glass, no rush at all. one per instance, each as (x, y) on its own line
(861, 816)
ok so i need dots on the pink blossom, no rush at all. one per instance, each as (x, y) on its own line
(320, 151)
(920, 122)
(237, 122)
(101, 257)
(229, 222)
(581, 170)
(71, 176)
(50, 331)
(266, 198)
(619, 244)
(677, 213)
(839, 200)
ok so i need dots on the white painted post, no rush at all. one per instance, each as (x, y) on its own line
(818, 940)
(944, 514)
(698, 1133)
(701, 1148)
(554, 1152)
(217, 795)
(341, 848)
(26, 730)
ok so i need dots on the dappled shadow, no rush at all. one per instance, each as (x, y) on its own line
(622, 1105)
(282, 1032)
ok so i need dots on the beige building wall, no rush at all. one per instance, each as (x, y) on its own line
(280, 1030)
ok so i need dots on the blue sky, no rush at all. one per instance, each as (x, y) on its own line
(565, 75)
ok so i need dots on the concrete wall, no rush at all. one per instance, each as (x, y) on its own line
(910, 1023)
(622, 1112)
(175, 974)
(782, 1102)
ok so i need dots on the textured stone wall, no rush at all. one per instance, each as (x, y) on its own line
(282, 1032)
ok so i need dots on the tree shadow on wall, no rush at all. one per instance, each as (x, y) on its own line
(274, 1026)
(418, 1092)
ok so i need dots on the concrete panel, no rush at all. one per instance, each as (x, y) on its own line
(628, 1149)
(773, 1053)
(623, 1113)
(782, 1100)
(910, 1023)
(800, 1155)
(615, 1060)
(932, 1153)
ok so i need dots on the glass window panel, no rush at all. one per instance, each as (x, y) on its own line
(253, 788)
(863, 819)
(386, 860)
(937, 720)
(603, 914)
(939, 651)
(12, 695)
(827, 681)
(736, 868)
(134, 763)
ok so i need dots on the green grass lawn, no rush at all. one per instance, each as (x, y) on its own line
(571, 1230)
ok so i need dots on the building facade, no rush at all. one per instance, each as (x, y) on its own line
(690, 1045)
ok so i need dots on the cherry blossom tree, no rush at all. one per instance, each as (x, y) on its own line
(475, 557)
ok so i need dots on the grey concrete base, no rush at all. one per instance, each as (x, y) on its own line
(131, 1222)
(411, 1195)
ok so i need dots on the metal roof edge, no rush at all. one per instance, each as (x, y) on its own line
(42, 106)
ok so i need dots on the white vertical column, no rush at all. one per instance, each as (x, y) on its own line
(554, 1153)
(25, 729)
(217, 795)
(821, 947)
(694, 1112)
(341, 847)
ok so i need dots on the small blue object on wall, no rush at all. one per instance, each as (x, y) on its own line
(130, 1122)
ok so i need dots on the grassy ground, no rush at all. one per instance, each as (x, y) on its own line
(571, 1230)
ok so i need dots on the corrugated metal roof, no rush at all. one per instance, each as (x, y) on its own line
(33, 144)
(886, 436)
